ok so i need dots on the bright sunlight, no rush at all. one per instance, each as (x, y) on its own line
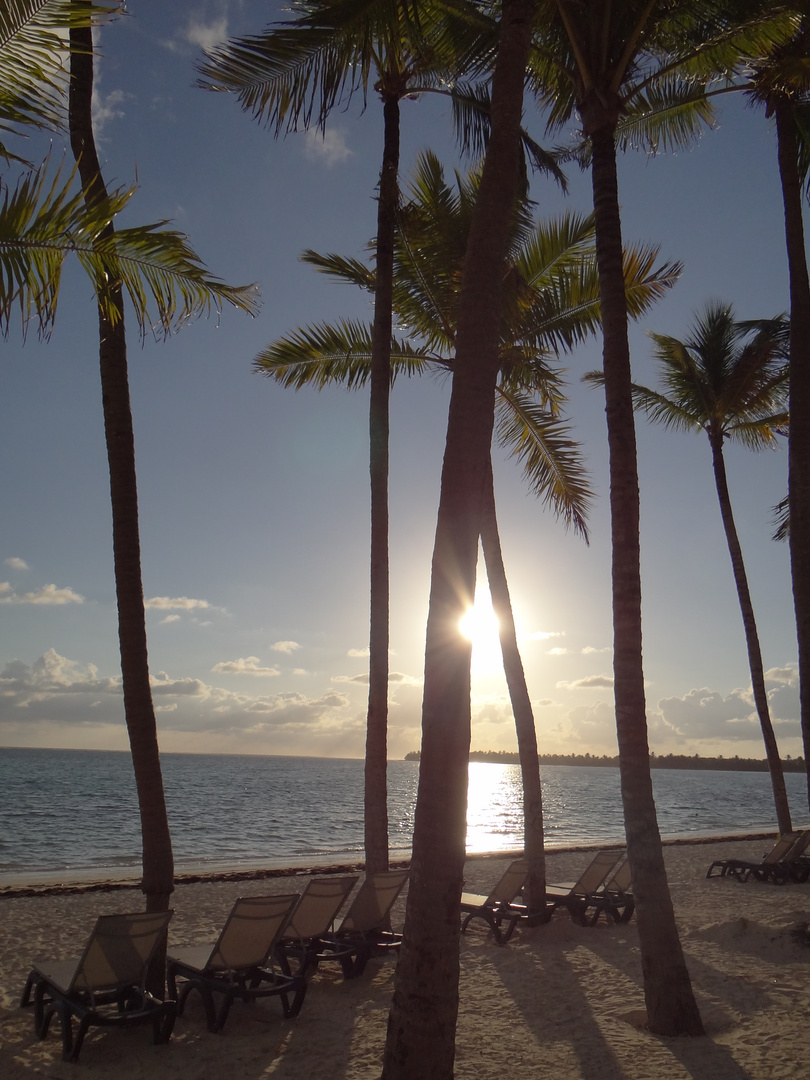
(480, 626)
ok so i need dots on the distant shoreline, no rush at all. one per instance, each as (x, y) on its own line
(657, 761)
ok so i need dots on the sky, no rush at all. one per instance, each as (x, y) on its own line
(254, 499)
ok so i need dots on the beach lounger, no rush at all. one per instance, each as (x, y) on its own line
(615, 898)
(364, 931)
(239, 964)
(578, 896)
(106, 986)
(784, 861)
(311, 920)
(497, 907)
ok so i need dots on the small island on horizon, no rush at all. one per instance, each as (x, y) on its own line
(657, 761)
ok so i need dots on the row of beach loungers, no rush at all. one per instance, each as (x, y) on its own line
(269, 945)
(604, 887)
(788, 860)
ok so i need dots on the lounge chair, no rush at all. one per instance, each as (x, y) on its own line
(784, 861)
(497, 907)
(239, 964)
(106, 986)
(615, 898)
(311, 920)
(578, 896)
(364, 931)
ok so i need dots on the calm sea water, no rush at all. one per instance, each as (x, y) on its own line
(74, 811)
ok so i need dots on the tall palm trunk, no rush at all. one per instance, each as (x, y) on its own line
(751, 635)
(671, 1006)
(533, 840)
(376, 786)
(420, 1044)
(799, 433)
(158, 866)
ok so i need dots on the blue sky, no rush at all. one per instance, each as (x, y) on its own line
(254, 499)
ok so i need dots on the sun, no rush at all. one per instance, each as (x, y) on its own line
(480, 626)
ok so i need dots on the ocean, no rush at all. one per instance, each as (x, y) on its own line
(71, 814)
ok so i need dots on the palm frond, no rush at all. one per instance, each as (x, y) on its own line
(552, 460)
(33, 45)
(43, 220)
(329, 354)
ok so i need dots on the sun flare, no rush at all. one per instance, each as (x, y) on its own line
(480, 626)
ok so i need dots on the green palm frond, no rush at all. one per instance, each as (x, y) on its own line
(329, 354)
(298, 70)
(164, 278)
(352, 271)
(552, 460)
(33, 45)
(728, 378)
(43, 220)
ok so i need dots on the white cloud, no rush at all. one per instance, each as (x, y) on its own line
(107, 108)
(590, 682)
(245, 665)
(287, 647)
(589, 649)
(206, 35)
(558, 651)
(48, 594)
(56, 699)
(543, 635)
(166, 603)
(329, 148)
(170, 619)
(358, 652)
(16, 564)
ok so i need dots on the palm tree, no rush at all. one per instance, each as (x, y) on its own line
(551, 303)
(41, 223)
(295, 74)
(422, 1021)
(728, 379)
(600, 61)
(779, 79)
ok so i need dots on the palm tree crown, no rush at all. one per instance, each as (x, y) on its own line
(728, 378)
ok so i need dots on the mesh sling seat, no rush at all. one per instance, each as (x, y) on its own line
(578, 896)
(364, 931)
(239, 964)
(497, 907)
(106, 986)
(615, 898)
(311, 920)
(784, 861)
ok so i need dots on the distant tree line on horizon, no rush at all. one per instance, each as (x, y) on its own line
(657, 761)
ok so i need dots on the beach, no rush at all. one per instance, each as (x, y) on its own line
(561, 1000)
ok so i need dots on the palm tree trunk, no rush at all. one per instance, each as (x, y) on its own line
(671, 1006)
(376, 787)
(751, 635)
(420, 1043)
(158, 866)
(799, 433)
(533, 840)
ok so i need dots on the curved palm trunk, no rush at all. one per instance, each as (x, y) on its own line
(376, 765)
(158, 866)
(533, 840)
(799, 433)
(420, 1043)
(671, 1006)
(751, 636)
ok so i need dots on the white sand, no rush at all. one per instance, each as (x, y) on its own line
(559, 1001)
